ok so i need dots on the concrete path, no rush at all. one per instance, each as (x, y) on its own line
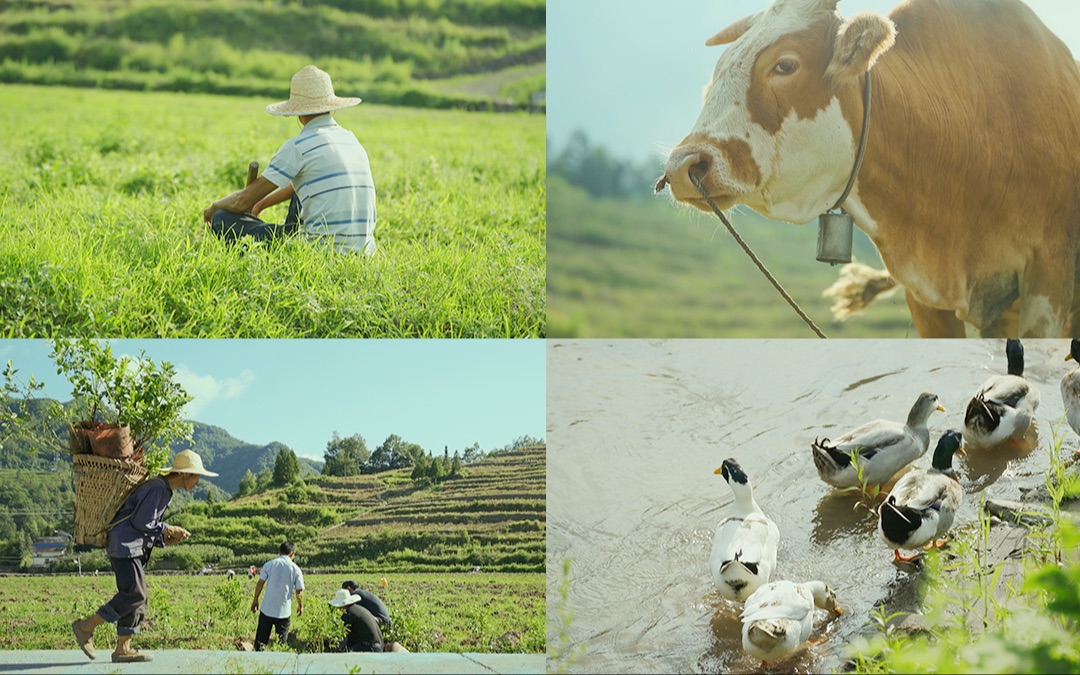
(46, 662)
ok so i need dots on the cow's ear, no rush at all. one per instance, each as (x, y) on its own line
(859, 43)
(732, 32)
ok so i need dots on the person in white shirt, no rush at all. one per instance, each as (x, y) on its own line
(323, 171)
(282, 579)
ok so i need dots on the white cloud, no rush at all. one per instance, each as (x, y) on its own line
(206, 389)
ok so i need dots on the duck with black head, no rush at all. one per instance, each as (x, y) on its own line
(745, 542)
(1003, 408)
(922, 505)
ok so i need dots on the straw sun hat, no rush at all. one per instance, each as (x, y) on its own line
(311, 92)
(187, 462)
(344, 597)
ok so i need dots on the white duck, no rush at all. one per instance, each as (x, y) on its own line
(745, 543)
(1004, 406)
(884, 447)
(922, 505)
(779, 617)
(1070, 388)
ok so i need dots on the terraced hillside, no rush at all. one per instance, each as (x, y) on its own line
(492, 517)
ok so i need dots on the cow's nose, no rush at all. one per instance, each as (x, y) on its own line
(682, 165)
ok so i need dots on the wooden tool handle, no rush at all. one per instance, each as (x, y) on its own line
(253, 172)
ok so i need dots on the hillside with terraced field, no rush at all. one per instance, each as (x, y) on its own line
(475, 54)
(492, 517)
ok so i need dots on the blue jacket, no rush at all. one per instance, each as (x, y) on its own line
(138, 525)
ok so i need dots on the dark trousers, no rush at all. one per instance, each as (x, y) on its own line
(128, 607)
(262, 633)
(231, 226)
(344, 646)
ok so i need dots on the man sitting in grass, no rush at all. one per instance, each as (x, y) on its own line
(323, 171)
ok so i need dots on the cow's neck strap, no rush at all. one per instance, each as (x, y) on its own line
(862, 142)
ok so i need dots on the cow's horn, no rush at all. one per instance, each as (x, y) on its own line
(732, 32)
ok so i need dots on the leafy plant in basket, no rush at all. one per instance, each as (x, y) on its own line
(136, 393)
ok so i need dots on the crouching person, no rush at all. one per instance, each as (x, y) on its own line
(364, 634)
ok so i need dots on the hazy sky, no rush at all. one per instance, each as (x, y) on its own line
(432, 392)
(630, 73)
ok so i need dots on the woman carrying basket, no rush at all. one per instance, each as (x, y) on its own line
(136, 529)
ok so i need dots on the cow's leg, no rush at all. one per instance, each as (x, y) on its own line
(1007, 325)
(1046, 296)
(934, 323)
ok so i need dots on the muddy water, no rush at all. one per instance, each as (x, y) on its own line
(635, 430)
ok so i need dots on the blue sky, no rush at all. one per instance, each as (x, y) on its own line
(630, 72)
(432, 392)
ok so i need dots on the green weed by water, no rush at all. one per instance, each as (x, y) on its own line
(563, 653)
(981, 617)
(867, 495)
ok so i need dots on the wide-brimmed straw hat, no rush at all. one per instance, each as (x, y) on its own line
(187, 462)
(310, 93)
(343, 597)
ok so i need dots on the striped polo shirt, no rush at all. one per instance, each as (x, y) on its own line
(329, 170)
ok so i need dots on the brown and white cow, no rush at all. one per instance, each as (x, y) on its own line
(970, 185)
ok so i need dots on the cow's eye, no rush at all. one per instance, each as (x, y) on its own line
(786, 66)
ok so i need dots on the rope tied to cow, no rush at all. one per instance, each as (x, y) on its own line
(761, 266)
(837, 206)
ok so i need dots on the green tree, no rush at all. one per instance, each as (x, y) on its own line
(519, 442)
(247, 485)
(472, 453)
(436, 470)
(264, 480)
(420, 468)
(26, 550)
(598, 172)
(525, 441)
(394, 453)
(286, 467)
(456, 466)
(345, 456)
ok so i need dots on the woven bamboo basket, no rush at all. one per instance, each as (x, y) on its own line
(101, 486)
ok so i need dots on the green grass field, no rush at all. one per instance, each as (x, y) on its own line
(645, 268)
(491, 613)
(102, 234)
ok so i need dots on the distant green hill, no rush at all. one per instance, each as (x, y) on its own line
(431, 53)
(232, 458)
